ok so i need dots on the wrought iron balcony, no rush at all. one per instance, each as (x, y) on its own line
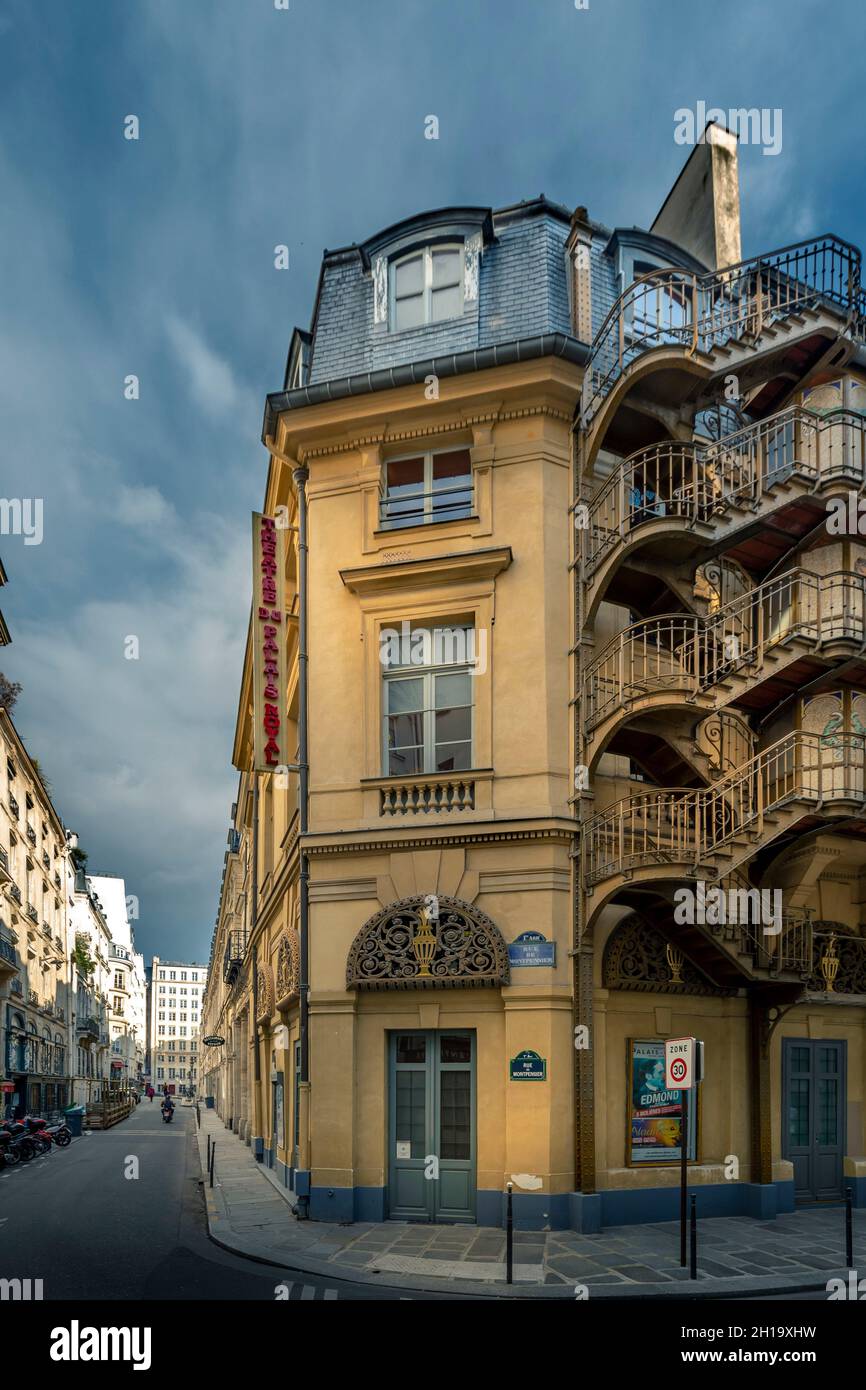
(32, 913)
(7, 955)
(5, 875)
(46, 860)
(13, 806)
(234, 955)
(666, 833)
(15, 892)
(88, 1027)
(678, 485)
(31, 834)
(720, 656)
(703, 312)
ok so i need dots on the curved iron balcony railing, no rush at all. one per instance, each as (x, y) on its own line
(696, 481)
(707, 826)
(742, 931)
(693, 655)
(703, 312)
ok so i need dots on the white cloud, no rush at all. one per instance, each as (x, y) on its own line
(211, 382)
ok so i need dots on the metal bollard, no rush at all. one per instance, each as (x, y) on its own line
(693, 1239)
(212, 1157)
(509, 1236)
(208, 1153)
(849, 1230)
(197, 1116)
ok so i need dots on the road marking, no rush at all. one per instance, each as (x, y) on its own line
(308, 1292)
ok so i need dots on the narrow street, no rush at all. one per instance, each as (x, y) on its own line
(75, 1221)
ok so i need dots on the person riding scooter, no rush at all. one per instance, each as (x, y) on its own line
(167, 1109)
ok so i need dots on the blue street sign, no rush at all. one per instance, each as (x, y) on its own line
(532, 948)
(528, 1066)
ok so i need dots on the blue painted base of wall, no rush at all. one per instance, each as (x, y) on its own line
(258, 1146)
(571, 1211)
(760, 1200)
(858, 1190)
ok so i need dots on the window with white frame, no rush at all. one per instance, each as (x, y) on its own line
(427, 488)
(427, 287)
(427, 701)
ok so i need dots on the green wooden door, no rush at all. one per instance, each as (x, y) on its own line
(431, 1126)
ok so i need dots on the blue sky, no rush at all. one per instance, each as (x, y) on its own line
(155, 257)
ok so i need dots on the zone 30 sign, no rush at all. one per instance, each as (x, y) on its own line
(683, 1063)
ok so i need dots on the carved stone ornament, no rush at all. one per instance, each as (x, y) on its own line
(471, 265)
(636, 958)
(288, 966)
(427, 942)
(380, 290)
(265, 992)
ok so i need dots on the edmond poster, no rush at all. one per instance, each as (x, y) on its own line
(654, 1113)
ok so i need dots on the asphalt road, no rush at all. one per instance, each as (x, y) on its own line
(76, 1221)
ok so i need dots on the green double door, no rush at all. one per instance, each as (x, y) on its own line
(813, 1132)
(431, 1126)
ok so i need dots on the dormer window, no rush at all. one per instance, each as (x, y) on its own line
(427, 287)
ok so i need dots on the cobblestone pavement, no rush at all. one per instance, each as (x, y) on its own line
(249, 1212)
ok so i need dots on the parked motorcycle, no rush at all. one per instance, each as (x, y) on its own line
(22, 1139)
(60, 1134)
(45, 1136)
(10, 1152)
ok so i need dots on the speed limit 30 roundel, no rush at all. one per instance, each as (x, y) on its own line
(678, 1069)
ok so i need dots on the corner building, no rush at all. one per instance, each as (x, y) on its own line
(581, 635)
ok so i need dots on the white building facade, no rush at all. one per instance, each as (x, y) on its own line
(176, 992)
(127, 1009)
(90, 947)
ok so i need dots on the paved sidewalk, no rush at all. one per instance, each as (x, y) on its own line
(250, 1213)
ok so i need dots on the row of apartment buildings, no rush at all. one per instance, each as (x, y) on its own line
(72, 985)
(573, 615)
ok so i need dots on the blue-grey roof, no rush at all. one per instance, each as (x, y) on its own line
(522, 294)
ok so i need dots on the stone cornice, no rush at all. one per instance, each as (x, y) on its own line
(561, 832)
(434, 569)
(386, 436)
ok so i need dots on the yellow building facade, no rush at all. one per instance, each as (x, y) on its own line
(575, 677)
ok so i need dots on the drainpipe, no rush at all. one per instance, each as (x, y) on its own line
(300, 476)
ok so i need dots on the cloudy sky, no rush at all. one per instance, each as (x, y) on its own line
(154, 257)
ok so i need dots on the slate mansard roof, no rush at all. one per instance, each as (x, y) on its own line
(516, 291)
